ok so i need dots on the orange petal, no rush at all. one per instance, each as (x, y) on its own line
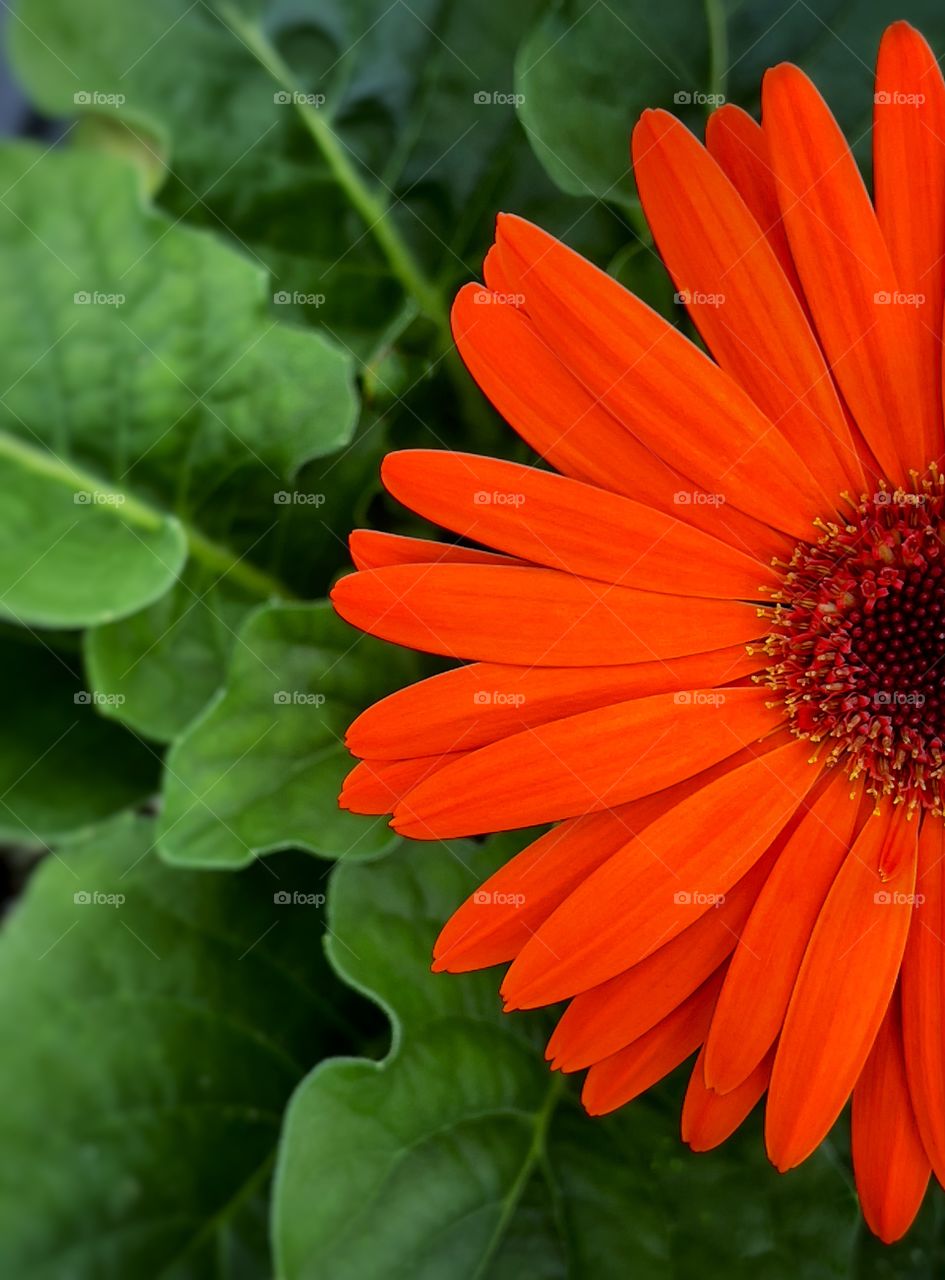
(594, 760)
(534, 616)
(372, 550)
(376, 786)
(474, 705)
(708, 1118)
(565, 524)
(673, 397)
(761, 976)
(738, 145)
(599, 1022)
(714, 251)
(889, 1161)
(496, 921)
(923, 995)
(909, 181)
(660, 883)
(868, 333)
(625, 1075)
(566, 423)
(843, 988)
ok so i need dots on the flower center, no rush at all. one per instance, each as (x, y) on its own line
(858, 642)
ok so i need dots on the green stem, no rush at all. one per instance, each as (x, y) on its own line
(533, 1156)
(241, 572)
(718, 46)
(374, 210)
(369, 205)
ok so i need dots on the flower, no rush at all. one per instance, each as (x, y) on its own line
(707, 644)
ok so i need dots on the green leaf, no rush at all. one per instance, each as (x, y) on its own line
(261, 769)
(72, 550)
(62, 767)
(341, 142)
(161, 1019)
(158, 668)
(460, 1154)
(153, 406)
(586, 72)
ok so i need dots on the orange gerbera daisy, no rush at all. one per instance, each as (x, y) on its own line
(709, 647)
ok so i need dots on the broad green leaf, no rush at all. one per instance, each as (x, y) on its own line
(459, 1155)
(62, 766)
(411, 103)
(161, 666)
(158, 668)
(153, 406)
(586, 72)
(74, 551)
(158, 1021)
(261, 769)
